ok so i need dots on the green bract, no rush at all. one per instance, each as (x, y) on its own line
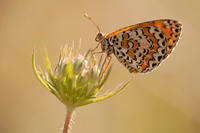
(76, 80)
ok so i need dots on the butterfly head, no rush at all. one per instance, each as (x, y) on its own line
(99, 36)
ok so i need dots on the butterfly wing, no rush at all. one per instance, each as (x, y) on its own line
(142, 47)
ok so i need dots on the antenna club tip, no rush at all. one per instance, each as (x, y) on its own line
(86, 15)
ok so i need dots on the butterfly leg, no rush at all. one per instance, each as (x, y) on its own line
(96, 52)
(93, 53)
(105, 64)
(95, 47)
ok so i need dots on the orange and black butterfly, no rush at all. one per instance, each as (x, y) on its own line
(141, 47)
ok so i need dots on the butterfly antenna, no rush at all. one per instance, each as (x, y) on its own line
(86, 15)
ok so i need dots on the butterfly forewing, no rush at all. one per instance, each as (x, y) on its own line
(142, 47)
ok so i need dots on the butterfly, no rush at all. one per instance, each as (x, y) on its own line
(141, 47)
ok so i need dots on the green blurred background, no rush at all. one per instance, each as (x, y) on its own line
(164, 101)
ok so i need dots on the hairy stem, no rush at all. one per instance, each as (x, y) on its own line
(68, 120)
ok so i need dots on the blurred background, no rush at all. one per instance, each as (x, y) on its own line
(166, 100)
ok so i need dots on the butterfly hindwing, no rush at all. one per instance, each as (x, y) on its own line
(142, 47)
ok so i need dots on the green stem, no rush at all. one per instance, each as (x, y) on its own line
(68, 120)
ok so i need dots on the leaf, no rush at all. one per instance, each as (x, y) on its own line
(108, 94)
(38, 75)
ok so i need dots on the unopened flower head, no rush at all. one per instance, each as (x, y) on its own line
(76, 80)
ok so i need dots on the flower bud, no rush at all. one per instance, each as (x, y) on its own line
(81, 81)
(93, 74)
(75, 82)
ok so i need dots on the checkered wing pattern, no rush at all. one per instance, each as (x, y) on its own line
(142, 47)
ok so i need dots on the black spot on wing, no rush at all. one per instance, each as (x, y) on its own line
(156, 30)
(123, 53)
(154, 64)
(163, 51)
(159, 58)
(161, 35)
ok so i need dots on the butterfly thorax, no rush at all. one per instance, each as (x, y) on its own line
(106, 47)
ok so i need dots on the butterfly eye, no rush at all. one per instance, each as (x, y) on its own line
(98, 37)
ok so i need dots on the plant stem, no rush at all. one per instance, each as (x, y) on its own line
(68, 120)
